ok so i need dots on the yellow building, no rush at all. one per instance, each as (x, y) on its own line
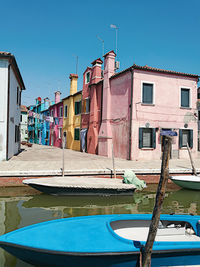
(72, 115)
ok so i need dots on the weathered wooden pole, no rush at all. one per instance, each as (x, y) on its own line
(63, 158)
(113, 161)
(191, 161)
(146, 251)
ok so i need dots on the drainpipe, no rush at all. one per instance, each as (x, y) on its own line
(8, 111)
(131, 115)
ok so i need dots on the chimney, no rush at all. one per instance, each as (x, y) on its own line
(73, 83)
(46, 103)
(57, 97)
(96, 70)
(109, 64)
(105, 131)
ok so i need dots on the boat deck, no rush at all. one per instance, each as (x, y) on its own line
(141, 233)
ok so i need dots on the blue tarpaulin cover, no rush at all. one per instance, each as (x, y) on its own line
(168, 133)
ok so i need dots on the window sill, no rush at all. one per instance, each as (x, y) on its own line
(186, 108)
(146, 104)
(147, 148)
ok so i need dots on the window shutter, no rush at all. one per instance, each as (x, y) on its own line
(154, 138)
(191, 139)
(180, 138)
(75, 108)
(140, 138)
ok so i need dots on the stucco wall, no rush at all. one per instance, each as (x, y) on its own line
(23, 126)
(165, 113)
(3, 107)
(71, 122)
(120, 114)
(94, 118)
(14, 113)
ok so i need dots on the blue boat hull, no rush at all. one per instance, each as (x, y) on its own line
(41, 258)
(52, 243)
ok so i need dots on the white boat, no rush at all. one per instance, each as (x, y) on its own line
(187, 181)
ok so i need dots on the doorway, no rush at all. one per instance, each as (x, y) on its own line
(162, 142)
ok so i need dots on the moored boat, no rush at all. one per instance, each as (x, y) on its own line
(83, 186)
(187, 181)
(106, 240)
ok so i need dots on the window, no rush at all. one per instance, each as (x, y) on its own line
(61, 111)
(52, 113)
(87, 77)
(77, 107)
(65, 111)
(87, 105)
(20, 97)
(17, 134)
(147, 138)
(185, 136)
(77, 134)
(17, 95)
(147, 93)
(185, 98)
(60, 133)
(21, 118)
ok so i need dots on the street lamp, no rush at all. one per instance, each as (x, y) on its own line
(102, 44)
(113, 26)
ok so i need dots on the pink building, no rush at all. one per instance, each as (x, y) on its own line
(91, 105)
(56, 111)
(139, 104)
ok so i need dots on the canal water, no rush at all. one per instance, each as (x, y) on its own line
(19, 209)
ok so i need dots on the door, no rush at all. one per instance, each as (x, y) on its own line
(162, 142)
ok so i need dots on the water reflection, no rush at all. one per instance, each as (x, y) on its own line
(16, 212)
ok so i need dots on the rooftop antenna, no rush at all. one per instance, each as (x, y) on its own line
(113, 26)
(102, 44)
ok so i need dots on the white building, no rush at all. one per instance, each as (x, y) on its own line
(24, 123)
(11, 86)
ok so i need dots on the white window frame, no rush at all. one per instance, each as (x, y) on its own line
(64, 111)
(86, 77)
(60, 112)
(154, 92)
(190, 97)
(60, 132)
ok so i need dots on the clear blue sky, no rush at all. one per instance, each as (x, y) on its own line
(44, 36)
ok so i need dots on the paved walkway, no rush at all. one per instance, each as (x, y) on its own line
(45, 160)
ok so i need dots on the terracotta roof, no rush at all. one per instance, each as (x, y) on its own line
(98, 60)
(109, 53)
(79, 92)
(24, 108)
(151, 69)
(148, 68)
(5, 53)
(73, 75)
(13, 62)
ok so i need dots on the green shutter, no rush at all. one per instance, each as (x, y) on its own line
(75, 108)
(140, 138)
(154, 138)
(76, 134)
(191, 139)
(180, 138)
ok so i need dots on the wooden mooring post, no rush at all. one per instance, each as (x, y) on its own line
(191, 161)
(145, 260)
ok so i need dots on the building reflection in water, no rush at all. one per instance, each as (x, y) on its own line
(17, 212)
